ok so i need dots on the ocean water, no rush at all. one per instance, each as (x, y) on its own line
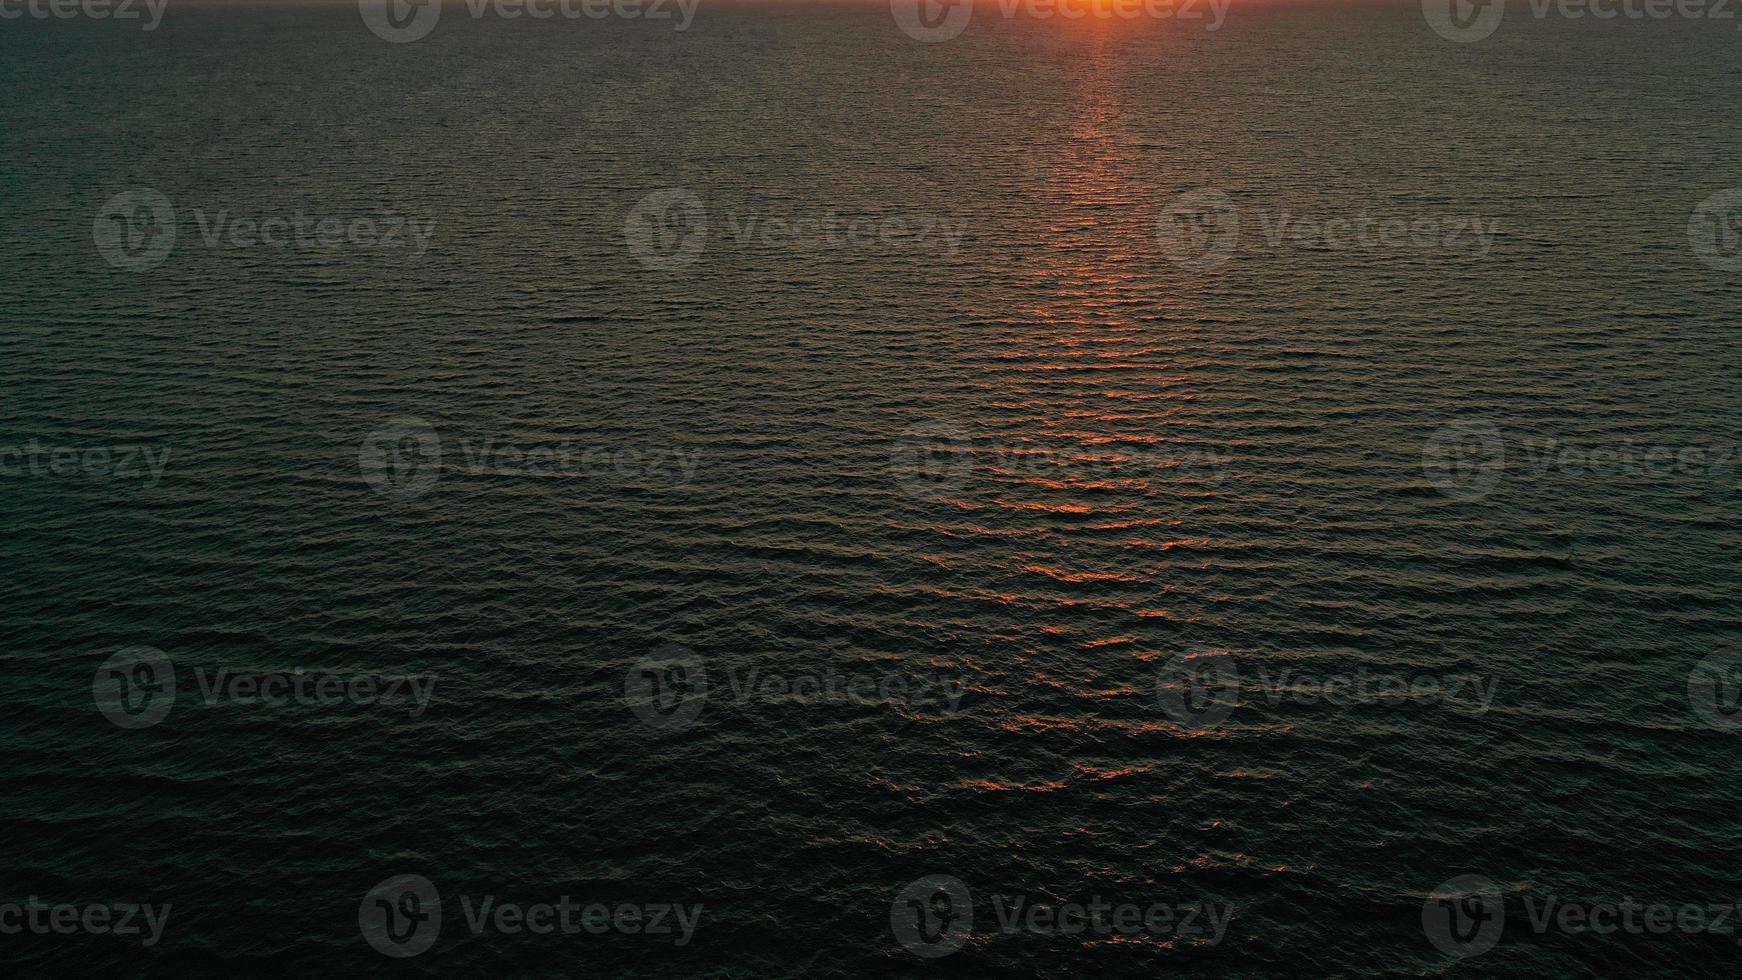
(901, 371)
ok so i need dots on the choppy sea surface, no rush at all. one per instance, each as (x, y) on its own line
(1362, 519)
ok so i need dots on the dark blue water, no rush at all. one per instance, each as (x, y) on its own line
(612, 382)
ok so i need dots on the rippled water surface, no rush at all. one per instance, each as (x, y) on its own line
(990, 430)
